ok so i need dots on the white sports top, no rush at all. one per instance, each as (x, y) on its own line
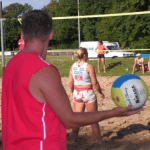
(80, 75)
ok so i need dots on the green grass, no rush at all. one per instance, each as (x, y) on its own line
(117, 66)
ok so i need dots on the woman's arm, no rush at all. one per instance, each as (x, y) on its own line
(96, 49)
(95, 83)
(106, 48)
(71, 81)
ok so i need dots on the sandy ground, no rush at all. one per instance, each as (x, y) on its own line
(127, 133)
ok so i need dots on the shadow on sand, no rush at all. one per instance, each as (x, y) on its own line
(134, 128)
(115, 142)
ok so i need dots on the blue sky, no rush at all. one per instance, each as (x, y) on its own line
(36, 4)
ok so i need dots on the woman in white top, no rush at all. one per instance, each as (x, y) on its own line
(139, 63)
(82, 80)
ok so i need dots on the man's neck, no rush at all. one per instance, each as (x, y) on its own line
(36, 46)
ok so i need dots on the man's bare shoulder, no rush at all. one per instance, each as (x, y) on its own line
(44, 80)
(48, 72)
(45, 76)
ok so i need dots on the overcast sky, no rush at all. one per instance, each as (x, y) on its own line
(36, 4)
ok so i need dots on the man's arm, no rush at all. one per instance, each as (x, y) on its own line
(142, 60)
(143, 69)
(148, 66)
(21, 42)
(134, 66)
(52, 91)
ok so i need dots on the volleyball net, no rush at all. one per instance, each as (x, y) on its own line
(72, 44)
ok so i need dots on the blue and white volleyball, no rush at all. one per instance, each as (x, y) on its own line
(128, 90)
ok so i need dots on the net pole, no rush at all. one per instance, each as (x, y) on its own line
(2, 46)
(2, 38)
(78, 24)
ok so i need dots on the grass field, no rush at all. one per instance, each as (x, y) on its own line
(116, 67)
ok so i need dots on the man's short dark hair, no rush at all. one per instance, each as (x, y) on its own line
(36, 24)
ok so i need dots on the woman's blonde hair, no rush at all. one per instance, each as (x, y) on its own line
(80, 53)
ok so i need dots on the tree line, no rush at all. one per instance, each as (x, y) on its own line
(130, 31)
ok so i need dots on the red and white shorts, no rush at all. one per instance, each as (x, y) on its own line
(86, 95)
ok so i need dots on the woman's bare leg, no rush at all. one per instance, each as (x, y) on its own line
(103, 62)
(143, 69)
(98, 64)
(135, 66)
(78, 107)
(95, 127)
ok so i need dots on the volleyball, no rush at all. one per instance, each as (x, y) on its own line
(128, 90)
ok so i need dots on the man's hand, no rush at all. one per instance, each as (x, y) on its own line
(122, 112)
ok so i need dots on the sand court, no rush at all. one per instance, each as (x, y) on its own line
(127, 133)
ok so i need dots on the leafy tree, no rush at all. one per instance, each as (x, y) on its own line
(12, 27)
(106, 31)
(133, 31)
(16, 10)
(12, 33)
(88, 26)
(65, 31)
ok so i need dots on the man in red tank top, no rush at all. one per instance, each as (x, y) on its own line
(21, 44)
(100, 50)
(35, 107)
(29, 121)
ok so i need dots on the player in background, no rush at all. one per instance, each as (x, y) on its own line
(138, 63)
(21, 43)
(101, 58)
(82, 79)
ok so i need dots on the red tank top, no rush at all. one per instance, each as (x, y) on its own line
(21, 46)
(100, 49)
(26, 123)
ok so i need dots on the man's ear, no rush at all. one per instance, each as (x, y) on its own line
(51, 35)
